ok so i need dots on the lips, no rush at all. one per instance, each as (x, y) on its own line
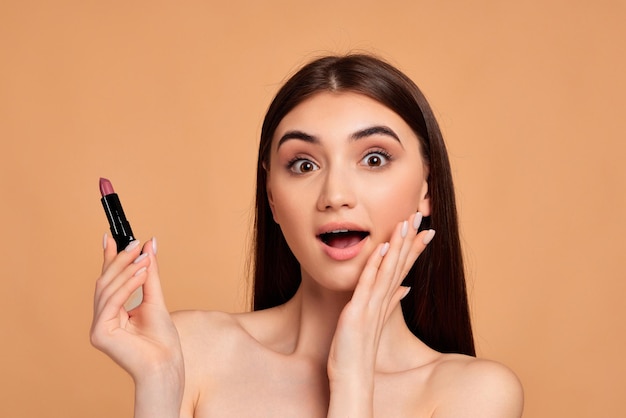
(342, 241)
(343, 238)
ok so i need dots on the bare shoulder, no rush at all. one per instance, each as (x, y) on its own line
(471, 387)
(202, 324)
(209, 335)
(211, 338)
(210, 341)
(195, 326)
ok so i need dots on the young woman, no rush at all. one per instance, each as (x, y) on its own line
(359, 309)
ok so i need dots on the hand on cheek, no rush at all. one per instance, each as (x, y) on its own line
(377, 294)
(390, 267)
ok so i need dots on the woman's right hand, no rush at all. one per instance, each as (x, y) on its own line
(143, 341)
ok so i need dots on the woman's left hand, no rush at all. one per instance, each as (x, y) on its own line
(378, 292)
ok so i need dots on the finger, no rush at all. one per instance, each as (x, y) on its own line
(109, 250)
(115, 273)
(370, 271)
(113, 305)
(418, 245)
(386, 275)
(407, 253)
(385, 278)
(409, 231)
(107, 287)
(397, 296)
(152, 291)
(115, 262)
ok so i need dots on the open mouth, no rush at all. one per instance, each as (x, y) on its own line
(343, 238)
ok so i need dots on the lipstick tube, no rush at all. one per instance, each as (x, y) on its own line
(119, 225)
(120, 230)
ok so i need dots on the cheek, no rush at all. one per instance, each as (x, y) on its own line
(286, 207)
(292, 219)
(395, 201)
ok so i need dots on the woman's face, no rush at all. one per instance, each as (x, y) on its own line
(344, 170)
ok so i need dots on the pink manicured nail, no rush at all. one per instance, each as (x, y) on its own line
(141, 257)
(405, 229)
(429, 236)
(384, 249)
(154, 245)
(417, 221)
(105, 238)
(408, 289)
(131, 246)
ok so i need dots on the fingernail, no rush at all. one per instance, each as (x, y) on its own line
(141, 270)
(384, 249)
(141, 257)
(405, 229)
(417, 221)
(131, 246)
(429, 236)
(154, 245)
(105, 238)
(406, 292)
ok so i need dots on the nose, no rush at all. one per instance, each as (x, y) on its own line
(337, 191)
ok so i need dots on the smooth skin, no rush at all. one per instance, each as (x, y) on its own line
(340, 346)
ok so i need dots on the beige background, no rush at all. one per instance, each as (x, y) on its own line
(166, 99)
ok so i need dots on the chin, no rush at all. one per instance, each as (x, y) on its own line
(340, 279)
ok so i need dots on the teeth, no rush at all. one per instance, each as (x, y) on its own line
(338, 231)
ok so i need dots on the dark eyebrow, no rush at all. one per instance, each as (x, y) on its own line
(375, 130)
(297, 135)
(363, 133)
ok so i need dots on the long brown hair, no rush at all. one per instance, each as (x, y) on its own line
(436, 309)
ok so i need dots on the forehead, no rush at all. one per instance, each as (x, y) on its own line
(341, 114)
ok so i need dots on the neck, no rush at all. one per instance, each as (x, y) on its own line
(317, 312)
(314, 314)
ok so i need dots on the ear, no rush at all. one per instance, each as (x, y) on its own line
(424, 203)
